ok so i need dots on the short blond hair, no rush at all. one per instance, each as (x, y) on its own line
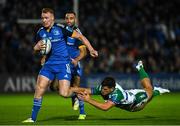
(46, 10)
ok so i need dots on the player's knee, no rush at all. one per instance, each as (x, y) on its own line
(39, 87)
(39, 91)
(63, 93)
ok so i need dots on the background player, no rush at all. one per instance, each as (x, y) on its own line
(57, 64)
(115, 95)
(77, 51)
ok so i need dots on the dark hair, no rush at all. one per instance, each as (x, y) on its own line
(70, 12)
(45, 10)
(109, 82)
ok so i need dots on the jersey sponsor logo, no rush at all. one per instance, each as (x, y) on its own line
(57, 40)
(69, 43)
(56, 32)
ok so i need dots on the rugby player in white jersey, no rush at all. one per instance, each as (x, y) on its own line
(115, 95)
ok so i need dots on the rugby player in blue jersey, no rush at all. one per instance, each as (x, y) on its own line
(58, 62)
(114, 95)
(77, 51)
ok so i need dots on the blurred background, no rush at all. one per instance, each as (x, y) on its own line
(123, 31)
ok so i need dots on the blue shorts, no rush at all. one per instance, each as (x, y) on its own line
(76, 71)
(60, 71)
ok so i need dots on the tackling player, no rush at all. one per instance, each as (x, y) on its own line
(57, 64)
(115, 95)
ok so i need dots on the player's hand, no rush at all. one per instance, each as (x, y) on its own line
(39, 46)
(84, 96)
(74, 62)
(94, 53)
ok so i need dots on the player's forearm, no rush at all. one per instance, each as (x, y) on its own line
(82, 54)
(83, 39)
(98, 105)
(35, 51)
(78, 90)
(36, 48)
(43, 60)
(86, 42)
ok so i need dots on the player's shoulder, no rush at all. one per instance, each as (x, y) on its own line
(63, 26)
(116, 96)
(118, 90)
(40, 29)
(59, 25)
(118, 86)
(77, 29)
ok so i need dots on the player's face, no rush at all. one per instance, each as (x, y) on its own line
(70, 19)
(106, 90)
(47, 19)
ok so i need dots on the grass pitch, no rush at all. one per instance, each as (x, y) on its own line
(14, 108)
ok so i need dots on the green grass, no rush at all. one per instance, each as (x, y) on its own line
(162, 110)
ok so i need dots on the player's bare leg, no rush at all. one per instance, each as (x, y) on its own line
(43, 60)
(145, 81)
(54, 86)
(41, 86)
(143, 98)
(75, 82)
(64, 88)
(77, 103)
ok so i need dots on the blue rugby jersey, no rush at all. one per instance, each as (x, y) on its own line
(57, 34)
(73, 45)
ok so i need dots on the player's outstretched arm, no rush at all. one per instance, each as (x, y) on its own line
(80, 90)
(82, 38)
(103, 106)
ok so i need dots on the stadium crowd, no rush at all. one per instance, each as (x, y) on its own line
(123, 31)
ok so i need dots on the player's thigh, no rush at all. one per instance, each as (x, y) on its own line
(147, 87)
(64, 86)
(54, 86)
(41, 85)
(141, 101)
(64, 77)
